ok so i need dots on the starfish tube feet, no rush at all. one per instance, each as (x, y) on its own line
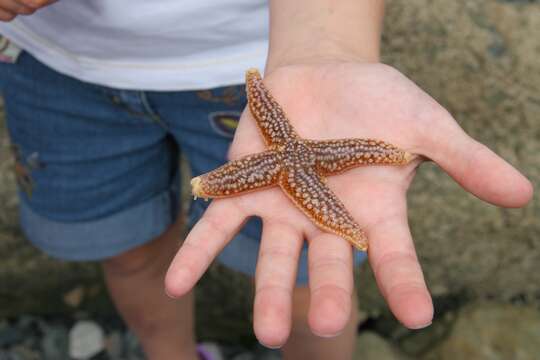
(335, 156)
(307, 190)
(249, 173)
(270, 117)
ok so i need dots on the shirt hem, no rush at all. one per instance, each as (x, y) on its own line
(175, 76)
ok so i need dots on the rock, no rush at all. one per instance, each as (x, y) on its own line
(492, 331)
(133, 348)
(86, 339)
(260, 352)
(20, 352)
(480, 60)
(114, 345)
(74, 297)
(416, 343)
(464, 245)
(54, 343)
(209, 350)
(9, 335)
(371, 346)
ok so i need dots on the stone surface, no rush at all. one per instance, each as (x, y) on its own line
(114, 345)
(54, 342)
(480, 60)
(490, 331)
(370, 346)
(86, 339)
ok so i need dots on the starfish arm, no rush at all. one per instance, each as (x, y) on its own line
(270, 117)
(335, 156)
(249, 173)
(306, 188)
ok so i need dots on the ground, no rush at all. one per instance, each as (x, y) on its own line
(477, 58)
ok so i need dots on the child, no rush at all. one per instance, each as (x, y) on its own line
(106, 94)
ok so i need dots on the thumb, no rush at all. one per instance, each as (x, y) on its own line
(475, 167)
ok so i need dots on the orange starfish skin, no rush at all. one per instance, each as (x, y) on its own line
(298, 166)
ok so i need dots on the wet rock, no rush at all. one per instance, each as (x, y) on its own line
(54, 343)
(258, 353)
(417, 343)
(371, 346)
(491, 331)
(480, 60)
(86, 339)
(9, 335)
(74, 297)
(114, 345)
(21, 352)
(132, 346)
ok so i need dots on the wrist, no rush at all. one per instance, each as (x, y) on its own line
(323, 31)
(321, 52)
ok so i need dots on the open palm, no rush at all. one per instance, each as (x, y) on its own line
(332, 101)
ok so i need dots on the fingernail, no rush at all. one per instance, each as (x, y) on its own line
(169, 295)
(418, 327)
(271, 347)
(327, 336)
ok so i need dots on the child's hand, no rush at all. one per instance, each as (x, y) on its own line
(9, 9)
(339, 100)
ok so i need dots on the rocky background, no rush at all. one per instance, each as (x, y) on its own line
(481, 60)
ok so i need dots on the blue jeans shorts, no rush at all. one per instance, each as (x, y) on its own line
(97, 167)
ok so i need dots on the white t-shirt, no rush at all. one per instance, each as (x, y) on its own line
(148, 45)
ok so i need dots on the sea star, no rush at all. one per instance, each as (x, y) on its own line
(299, 166)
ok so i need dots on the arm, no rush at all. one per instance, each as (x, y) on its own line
(323, 70)
(9, 9)
(311, 31)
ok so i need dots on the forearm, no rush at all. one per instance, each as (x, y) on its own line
(309, 31)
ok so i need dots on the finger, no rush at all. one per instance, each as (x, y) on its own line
(475, 167)
(331, 284)
(16, 7)
(274, 282)
(393, 259)
(220, 222)
(35, 4)
(6, 15)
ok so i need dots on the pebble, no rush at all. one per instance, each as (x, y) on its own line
(492, 331)
(371, 346)
(9, 336)
(86, 339)
(54, 343)
(114, 345)
(35, 338)
(74, 297)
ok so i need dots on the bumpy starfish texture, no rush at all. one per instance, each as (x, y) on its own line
(299, 166)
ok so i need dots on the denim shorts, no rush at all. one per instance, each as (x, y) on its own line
(97, 167)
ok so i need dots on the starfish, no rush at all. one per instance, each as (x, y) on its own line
(298, 166)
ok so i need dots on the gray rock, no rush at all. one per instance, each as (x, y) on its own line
(54, 343)
(9, 335)
(467, 246)
(114, 345)
(371, 346)
(86, 339)
(416, 343)
(491, 331)
(132, 346)
(244, 356)
(480, 60)
(20, 352)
